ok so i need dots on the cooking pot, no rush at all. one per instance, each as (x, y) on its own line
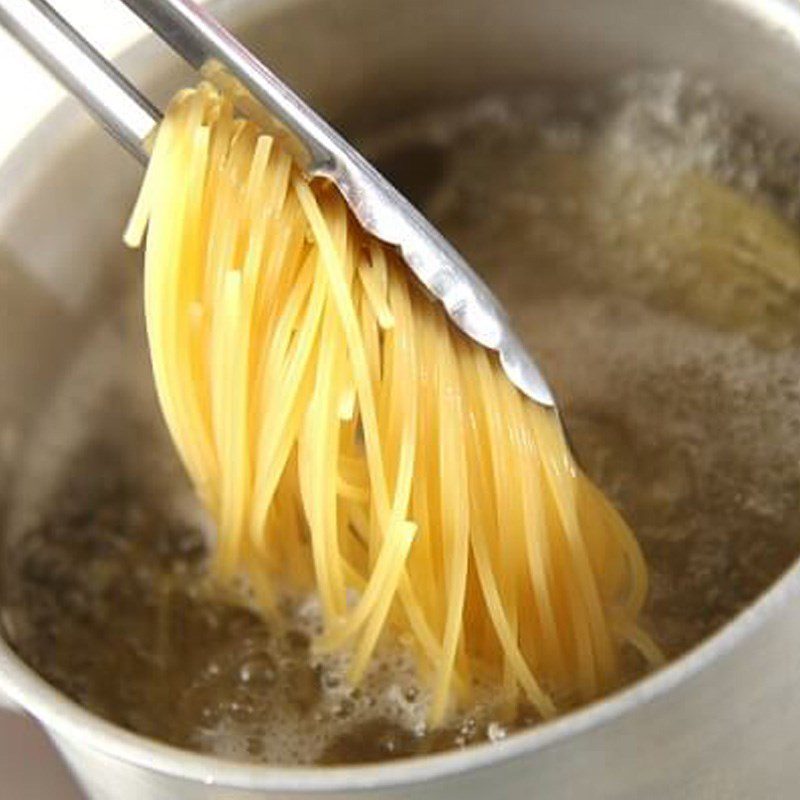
(722, 721)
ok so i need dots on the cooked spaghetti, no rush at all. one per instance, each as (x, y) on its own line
(348, 440)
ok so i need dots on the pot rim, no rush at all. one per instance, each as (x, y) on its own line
(73, 723)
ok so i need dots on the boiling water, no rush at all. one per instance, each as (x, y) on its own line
(643, 239)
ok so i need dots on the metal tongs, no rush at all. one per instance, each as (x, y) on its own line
(208, 47)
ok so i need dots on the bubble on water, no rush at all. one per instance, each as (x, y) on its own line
(495, 732)
(258, 671)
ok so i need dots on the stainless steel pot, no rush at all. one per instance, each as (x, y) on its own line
(721, 722)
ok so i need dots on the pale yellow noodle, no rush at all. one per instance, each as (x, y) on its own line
(347, 439)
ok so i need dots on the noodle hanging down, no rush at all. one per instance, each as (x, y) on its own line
(347, 439)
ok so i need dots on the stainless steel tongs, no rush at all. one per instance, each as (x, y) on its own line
(197, 37)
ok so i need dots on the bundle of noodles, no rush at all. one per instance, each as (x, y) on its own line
(347, 440)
